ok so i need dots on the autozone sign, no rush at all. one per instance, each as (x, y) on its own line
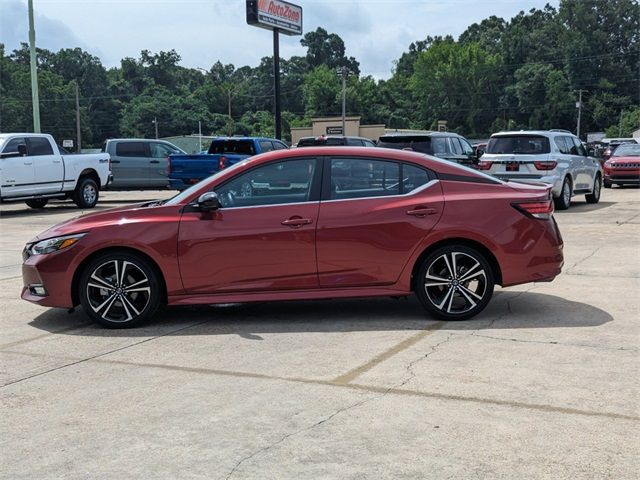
(272, 14)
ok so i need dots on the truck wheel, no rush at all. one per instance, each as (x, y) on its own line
(86, 193)
(37, 202)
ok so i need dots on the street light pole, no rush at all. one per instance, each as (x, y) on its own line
(34, 73)
(78, 133)
(155, 122)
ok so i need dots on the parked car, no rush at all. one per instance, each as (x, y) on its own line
(334, 141)
(624, 166)
(479, 148)
(447, 145)
(556, 157)
(185, 170)
(139, 163)
(326, 222)
(33, 170)
(612, 144)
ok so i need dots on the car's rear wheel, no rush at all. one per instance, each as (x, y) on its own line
(37, 202)
(455, 282)
(594, 197)
(86, 193)
(120, 290)
(563, 202)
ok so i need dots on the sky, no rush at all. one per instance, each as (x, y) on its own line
(375, 32)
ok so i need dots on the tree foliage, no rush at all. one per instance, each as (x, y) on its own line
(499, 74)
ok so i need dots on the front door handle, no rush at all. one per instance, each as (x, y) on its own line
(296, 222)
(422, 211)
(28, 163)
(154, 161)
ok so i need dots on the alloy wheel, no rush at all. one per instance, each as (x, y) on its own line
(118, 291)
(89, 194)
(455, 283)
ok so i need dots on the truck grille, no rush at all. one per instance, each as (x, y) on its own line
(626, 165)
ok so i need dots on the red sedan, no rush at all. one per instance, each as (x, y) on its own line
(307, 223)
(623, 167)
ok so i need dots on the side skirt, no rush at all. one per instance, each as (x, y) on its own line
(282, 295)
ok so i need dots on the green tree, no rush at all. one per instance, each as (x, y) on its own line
(321, 92)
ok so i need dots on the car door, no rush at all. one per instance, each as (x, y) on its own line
(263, 236)
(47, 164)
(130, 164)
(373, 215)
(158, 163)
(17, 174)
(587, 166)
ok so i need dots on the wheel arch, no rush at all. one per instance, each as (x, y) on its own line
(90, 173)
(491, 258)
(130, 250)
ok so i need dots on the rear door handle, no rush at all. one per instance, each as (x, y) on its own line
(28, 163)
(154, 161)
(115, 161)
(422, 211)
(296, 222)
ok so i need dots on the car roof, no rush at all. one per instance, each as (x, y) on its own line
(541, 133)
(420, 134)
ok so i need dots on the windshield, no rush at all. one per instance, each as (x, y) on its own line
(627, 150)
(518, 145)
(182, 196)
(240, 147)
(417, 143)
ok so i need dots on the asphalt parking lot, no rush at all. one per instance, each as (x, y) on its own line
(544, 383)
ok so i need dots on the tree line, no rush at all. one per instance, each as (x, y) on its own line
(499, 74)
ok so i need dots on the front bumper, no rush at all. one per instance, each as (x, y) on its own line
(47, 279)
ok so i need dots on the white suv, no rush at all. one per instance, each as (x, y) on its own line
(556, 157)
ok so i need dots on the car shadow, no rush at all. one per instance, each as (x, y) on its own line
(584, 207)
(508, 310)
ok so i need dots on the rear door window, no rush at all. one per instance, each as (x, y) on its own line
(266, 146)
(518, 145)
(578, 147)
(279, 146)
(37, 146)
(562, 144)
(455, 146)
(440, 146)
(360, 178)
(131, 149)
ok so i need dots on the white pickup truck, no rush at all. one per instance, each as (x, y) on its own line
(33, 170)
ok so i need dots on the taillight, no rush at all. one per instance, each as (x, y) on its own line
(538, 209)
(484, 165)
(110, 169)
(222, 162)
(546, 165)
(168, 171)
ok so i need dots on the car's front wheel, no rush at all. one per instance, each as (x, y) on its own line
(120, 289)
(607, 184)
(455, 282)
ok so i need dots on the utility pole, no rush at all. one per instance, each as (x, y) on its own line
(276, 82)
(620, 123)
(78, 134)
(343, 72)
(229, 102)
(579, 107)
(34, 72)
(199, 136)
(155, 122)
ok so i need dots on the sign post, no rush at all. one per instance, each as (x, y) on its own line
(279, 16)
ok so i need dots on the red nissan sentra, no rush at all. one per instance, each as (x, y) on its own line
(312, 223)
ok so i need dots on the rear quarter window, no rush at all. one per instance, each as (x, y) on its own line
(420, 144)
(130, 149)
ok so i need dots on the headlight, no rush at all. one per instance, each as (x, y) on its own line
(55, 244)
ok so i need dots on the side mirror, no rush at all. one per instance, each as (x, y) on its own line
(22, 150)
(208, 201)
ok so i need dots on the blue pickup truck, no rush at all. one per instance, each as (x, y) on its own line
(185, 170)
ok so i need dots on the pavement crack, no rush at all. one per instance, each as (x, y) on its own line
(410, 365)
(583, 260)
(93, 357)
(237, 466)
(549, 342)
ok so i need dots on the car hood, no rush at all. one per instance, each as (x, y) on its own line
(84, 223)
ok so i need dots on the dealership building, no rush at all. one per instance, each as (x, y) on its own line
(333, 126)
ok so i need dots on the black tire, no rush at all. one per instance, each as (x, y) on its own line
(594, 197)
(450, 297)
(115, 305)
(607, 184)
(86, 193)
(37, 202)
(563, 202)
